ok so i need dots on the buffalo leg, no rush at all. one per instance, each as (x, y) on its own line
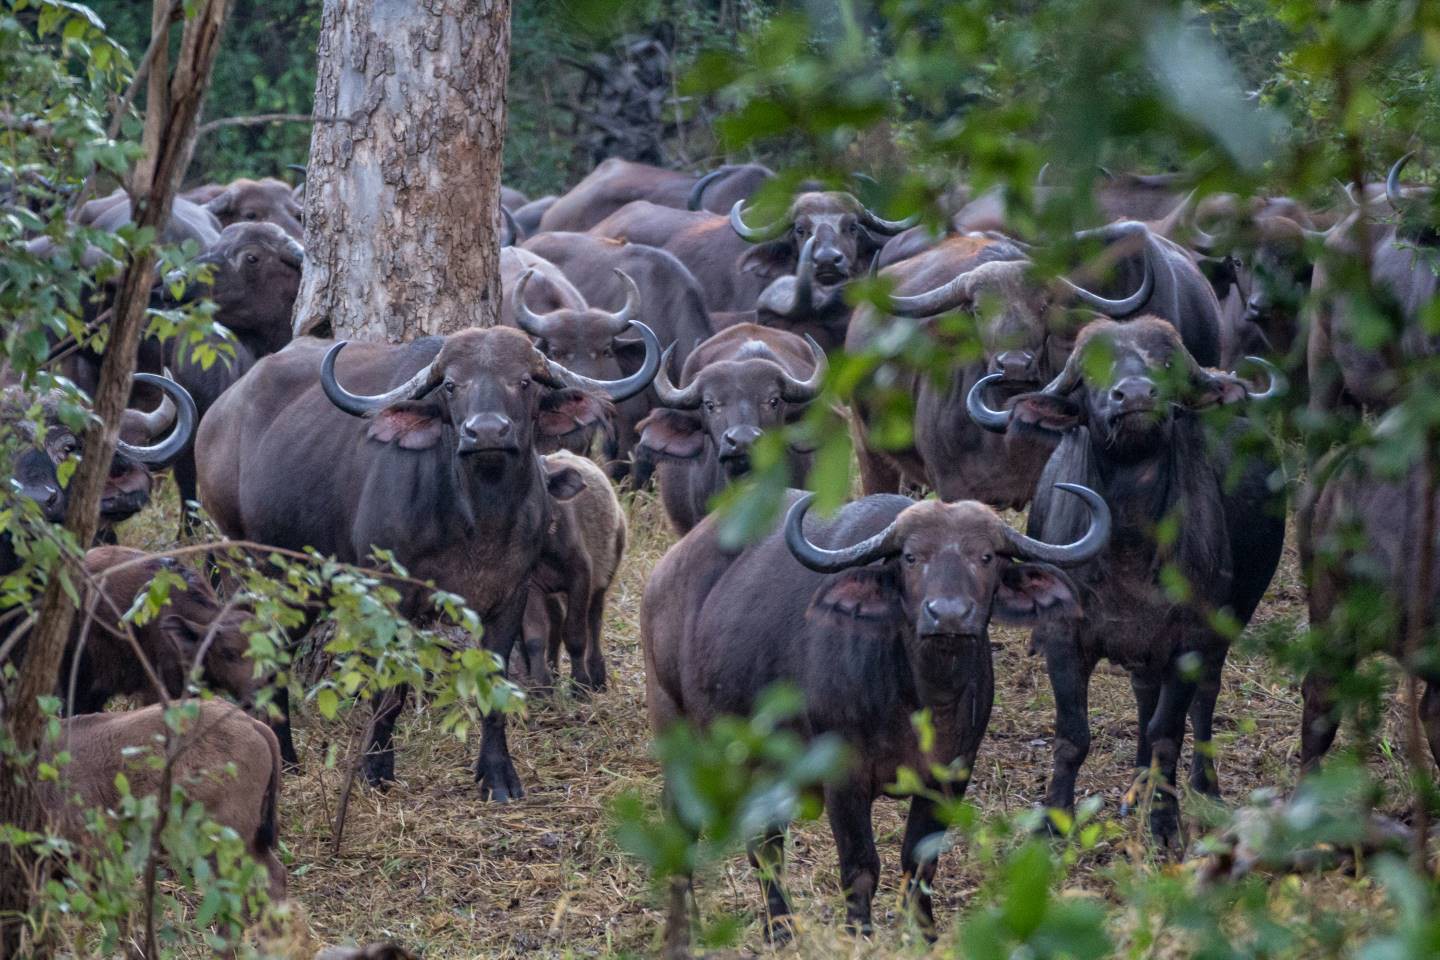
(595, 621)
(767, 856)
(494, 770)
(535, 641)
(1147, 694)
(919, 875)
(1167, 732)
(849, 810)
(1319, 723)
(577, 633)
(380, 746)
(1069, 673)
(1204, 778)
(280, 725)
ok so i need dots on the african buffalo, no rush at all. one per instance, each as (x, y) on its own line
(255, 276)
(1343, 371)
(100, 662)
(616, 182)
(527, 217)
(736, 385)
(1126, 411)
(229, 763)
(436, 461)
(1361, 539)
(581, 559)
(875, 615)
(188, 220)
(252, 201)
(1023, 334)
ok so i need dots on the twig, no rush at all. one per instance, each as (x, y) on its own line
(264, 118)
(354, 757)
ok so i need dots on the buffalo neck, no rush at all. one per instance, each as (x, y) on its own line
(487, 490)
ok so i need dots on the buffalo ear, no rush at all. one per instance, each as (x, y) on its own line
(563, 481)
(1220, 271)
(222, 203)
(1029, 593)
(673, 434)
(565, 411)
(868, 596)
(1046, 412)
(411, 424)
(773, 259)
(1217, 390)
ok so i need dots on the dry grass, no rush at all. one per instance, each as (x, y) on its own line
(429, 865)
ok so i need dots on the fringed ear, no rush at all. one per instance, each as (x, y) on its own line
(563, 481)
(565, 411)
(411, 424)
(1046, 413)
(773, 259)
(1214, 389)
(866, 598)
(1030, 593)
(672, 434)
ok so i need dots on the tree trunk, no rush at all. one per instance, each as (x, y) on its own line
(172, 105)
(402, 196)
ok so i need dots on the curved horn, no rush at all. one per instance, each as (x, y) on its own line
(1349, 190)
(620, 322)
(947, 296)
(803, 391)
(1392, 183)
(996, 421)
(1128, 305)
(624, 388)
(535, 324)
(294, 253)
(888, 228)
(1279, 383)
(1069, 554)
(676, 399)
(756, 234)
(822, 560)
(299, 168)
(360, 405)
(166, 451)
(157, 421)
(1040, 177)
(802, 290)
(697, 192)
(511, 227)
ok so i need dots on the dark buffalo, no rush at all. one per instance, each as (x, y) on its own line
(100, 661)
(741, 382)
(592, 343)
(549, 289)
(1025, 336)
(528, 217)
(1361, 536)
(188, 220)
(616, 182)
(435, 461)
(32, 459)
(875, 615)
(1343, 371)
(1126, 410)
(252, 201)
(723, 187)
(255, 276)
(702, 241)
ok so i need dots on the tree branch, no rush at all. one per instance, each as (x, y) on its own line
(260, 119)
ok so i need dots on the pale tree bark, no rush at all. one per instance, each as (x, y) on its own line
(173, 101)
(402, 195)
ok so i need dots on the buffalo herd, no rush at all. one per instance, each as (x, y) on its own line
(652, 321)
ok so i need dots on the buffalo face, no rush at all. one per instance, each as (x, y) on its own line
(258, 201)
(255, 277)
(846, 237)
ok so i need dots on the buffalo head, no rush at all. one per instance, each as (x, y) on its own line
(586, 341)
(847, 237)
(255, 277)
(945, 570)
(258, 201)
(728, 405)
(488, 394)
(1125, 381)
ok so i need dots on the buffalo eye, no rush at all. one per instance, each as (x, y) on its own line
(710, 406)
(68, 446)
(449, 386)
(853, 228)
(608, 352)
(774, 402)
(801, 231)
(986, 558)
(524, 383)
(910, 559)
(251, 215)
(251, 258)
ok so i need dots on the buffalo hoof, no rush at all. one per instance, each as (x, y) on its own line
(779, 930)
(1203, 783)
(380, 770)
(1047, 827)
(498, 781)
(857, 927)
(1165, 830)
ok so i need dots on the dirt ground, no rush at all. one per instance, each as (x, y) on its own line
(429, 865)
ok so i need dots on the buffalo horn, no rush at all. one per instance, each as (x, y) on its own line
(512, 234)
(821, 560)
(697, 192)
(294, 253)
(157, 421)
(624, 388)
(803, 391)
(359, 405)
(1393, 191)
(996, 421)
(1069, 554)
(889, 228)
(1279, 383)
(802, 291)
(1127, 306)
(687, 398)
(532, 323)
(166, 451)
(756, 234)
(620, 322)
